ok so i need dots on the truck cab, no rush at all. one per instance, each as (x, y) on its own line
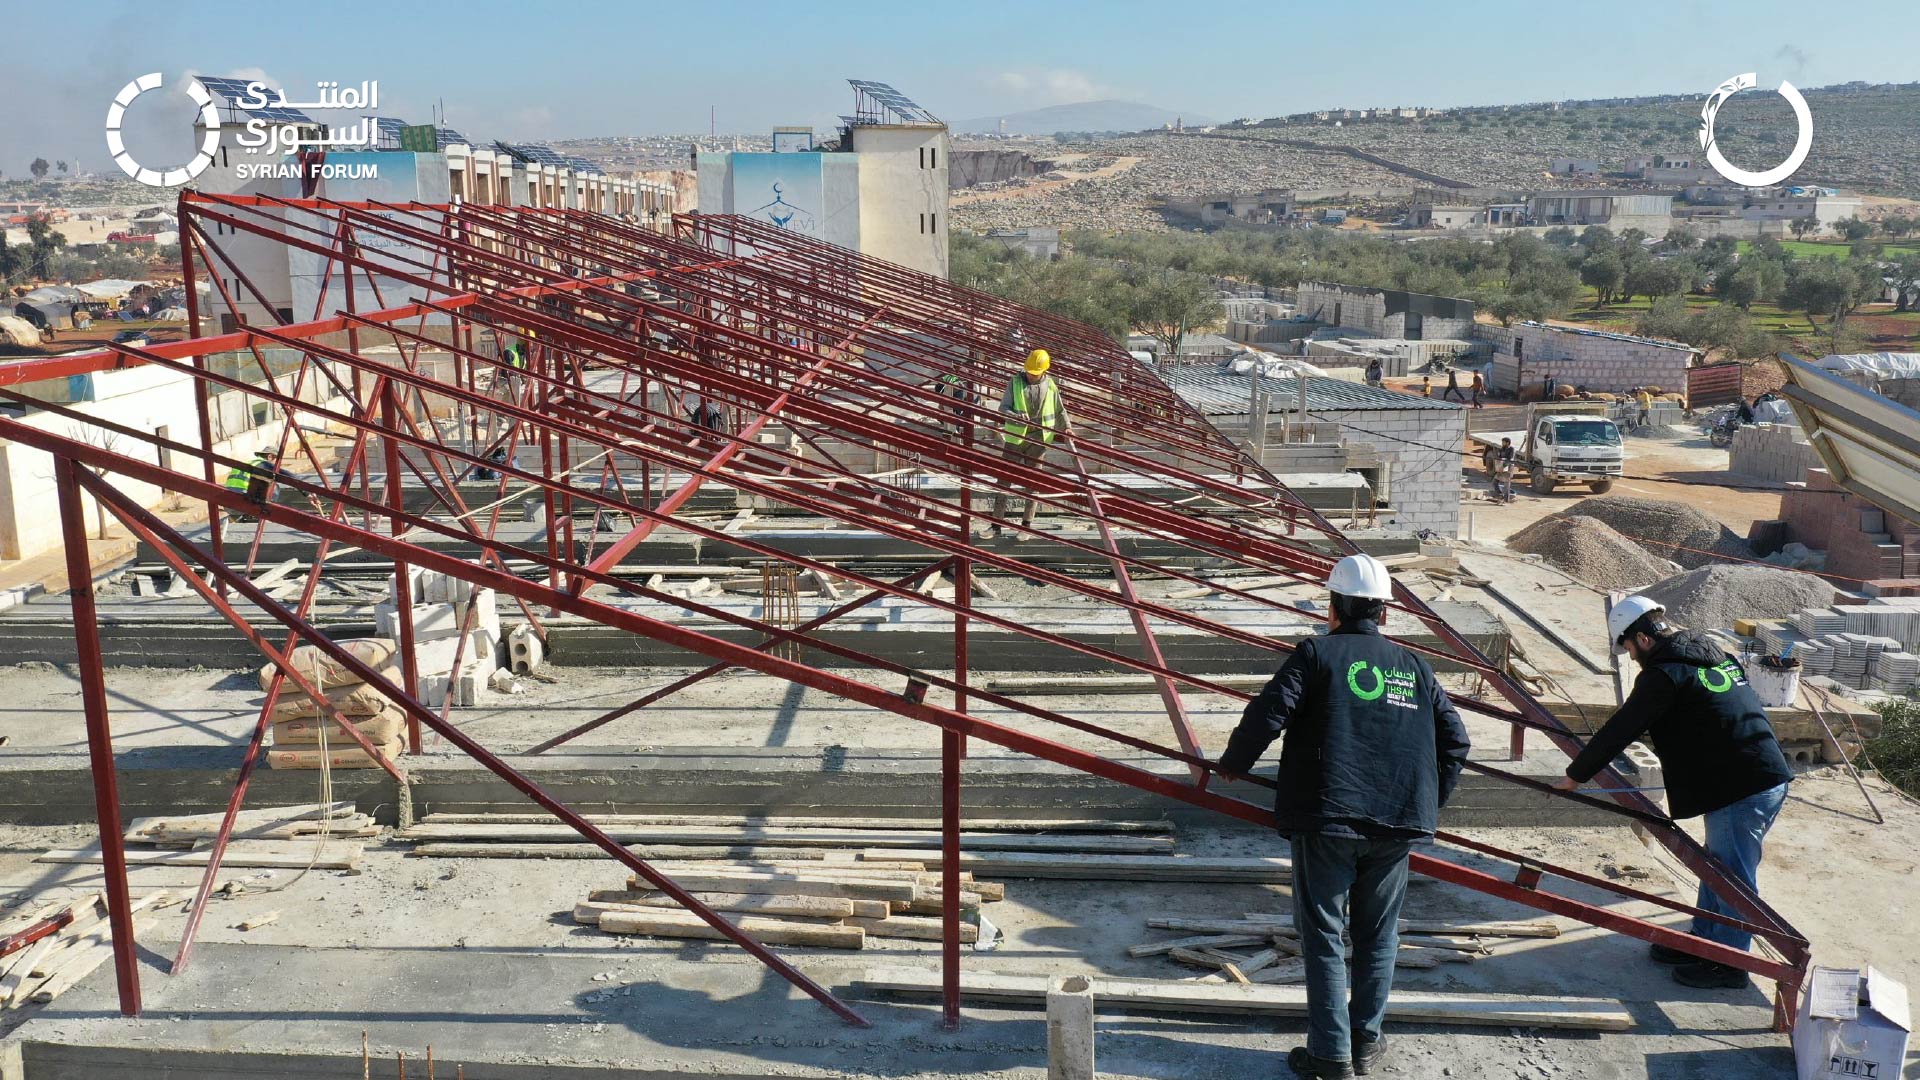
(1563, 442)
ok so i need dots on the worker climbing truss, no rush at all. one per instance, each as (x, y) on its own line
(614, 374)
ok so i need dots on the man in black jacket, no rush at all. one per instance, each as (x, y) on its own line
(1716, 750)
(1371, 751)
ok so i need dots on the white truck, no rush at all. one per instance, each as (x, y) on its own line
(1571, 442)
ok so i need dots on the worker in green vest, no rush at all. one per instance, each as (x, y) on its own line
(252, 480)
(1034, 417)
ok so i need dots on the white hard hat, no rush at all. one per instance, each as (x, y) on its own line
(1361, 575)
(1627, 612)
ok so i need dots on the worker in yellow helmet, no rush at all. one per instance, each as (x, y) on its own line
(1034, 417)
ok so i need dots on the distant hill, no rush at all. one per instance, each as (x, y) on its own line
(1082, 116)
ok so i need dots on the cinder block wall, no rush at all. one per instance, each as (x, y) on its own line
(1361, 309)
(1599, 363)
(1777, 452)
(1424, 488)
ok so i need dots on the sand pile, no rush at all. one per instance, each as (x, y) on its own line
(1664, 528)
(1591, 551)
(1714, 596)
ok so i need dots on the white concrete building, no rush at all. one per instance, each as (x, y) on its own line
(1825, 205)
(881, 190)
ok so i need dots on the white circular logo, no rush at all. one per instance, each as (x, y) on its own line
(1772, 176)
(209, 118)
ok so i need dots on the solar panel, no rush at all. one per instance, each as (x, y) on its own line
(534, 152)
(582, 165)
(446, 137)
(389, 128)
(235, 91)
(894, 101)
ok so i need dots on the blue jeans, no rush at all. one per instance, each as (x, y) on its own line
(1346, 884)
(1734, 835)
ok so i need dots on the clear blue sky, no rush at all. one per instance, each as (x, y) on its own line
(532, 69)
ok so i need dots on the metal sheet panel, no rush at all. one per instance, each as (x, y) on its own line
(1869, 443)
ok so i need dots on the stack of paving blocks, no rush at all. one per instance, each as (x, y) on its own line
(1776, 452)
(440, 608)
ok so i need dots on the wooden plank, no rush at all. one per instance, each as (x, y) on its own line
(787, 885)
(767, 930)
(1535, 929)
(1200, 941)
(340, 855)
(140, 828)
(1479, 1010)
(816, 907)
(1109, 867)
(1110, 684)
(80, 960)
(583, 850)
(773, 836)
(919, 928)
(1020, 825)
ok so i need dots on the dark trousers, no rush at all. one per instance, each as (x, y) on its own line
(1347, 885)
(1453, 392)
(1030, 453)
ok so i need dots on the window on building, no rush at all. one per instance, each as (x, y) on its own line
(1519, 347)
(933, 157)
(933, 223)
(923, 224)
(1336, 315)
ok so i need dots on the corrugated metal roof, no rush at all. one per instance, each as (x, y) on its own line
(1218, 394)
(1609, 334)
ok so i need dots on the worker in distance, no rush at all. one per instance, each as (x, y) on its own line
(1371, 749)
(1717, 752)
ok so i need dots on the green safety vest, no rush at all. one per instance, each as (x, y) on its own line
(516, 356)
(1014, 432)
(240, 476)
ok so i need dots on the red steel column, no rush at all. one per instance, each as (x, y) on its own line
(93, 695)
(402, 583)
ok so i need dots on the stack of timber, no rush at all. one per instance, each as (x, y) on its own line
(299, 722)
(327, 836)
(828, 903)
(46, 948)
(1080, 847)
(1259, 947)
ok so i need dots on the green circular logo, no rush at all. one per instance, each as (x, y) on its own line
(1353, 681)
(1717, 680)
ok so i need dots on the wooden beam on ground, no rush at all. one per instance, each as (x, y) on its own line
(768, 930)
(1475, 1010)
(772, 836)
(1158, 826)
(1110, 867)
(337, 855)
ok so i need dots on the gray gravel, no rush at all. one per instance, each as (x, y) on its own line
(1591, 551)
(1714, 596)
(1668, 530)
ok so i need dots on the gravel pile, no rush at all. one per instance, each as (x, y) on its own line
(1664, 528)
(1591, 551)
(1714, 596)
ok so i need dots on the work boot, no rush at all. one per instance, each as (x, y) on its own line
(1303, 1063)
(1660, 954)
(1367, 1055)
(1706, 975)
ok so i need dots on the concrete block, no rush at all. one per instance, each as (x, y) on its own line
(524, 650)
(1070, 1028)
(436, 657)
(431, 622)
(466, 688)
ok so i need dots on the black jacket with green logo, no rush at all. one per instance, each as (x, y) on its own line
(1372, 746)
(1705, 724)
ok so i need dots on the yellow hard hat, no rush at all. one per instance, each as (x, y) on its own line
(1038, 362)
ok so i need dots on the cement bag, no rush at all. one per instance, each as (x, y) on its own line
(353, 699)
(381, 728)
(320, 669)
(352, 757)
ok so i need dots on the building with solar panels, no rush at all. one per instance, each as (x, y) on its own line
(881, 189)
(397, 163)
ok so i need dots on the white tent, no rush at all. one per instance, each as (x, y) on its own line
(110, 288)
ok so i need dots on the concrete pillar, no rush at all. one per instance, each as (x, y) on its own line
(1070, 1028)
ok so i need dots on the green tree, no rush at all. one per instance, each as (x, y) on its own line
(1832, 288)
(1680, 239)
(1560, 236)
(11, 261)
(1596, 238)
(1905, 273)
(1654, 278)
(39, 168)
(1801, 226)
(1668, 317)
(1867, 249)
(1167, 305)
(1897, 225)
(42, 242)
(1603, 271)
(1854, 229)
